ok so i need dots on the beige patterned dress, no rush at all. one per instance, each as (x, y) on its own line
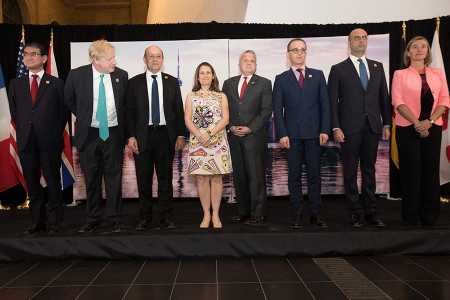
(206, 113)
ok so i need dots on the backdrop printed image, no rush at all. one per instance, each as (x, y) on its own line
(181, 59)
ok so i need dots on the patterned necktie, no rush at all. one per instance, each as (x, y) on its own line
(102, 113)
(301, 78)
(155, 101)
(363, 74)
(243, 89)
(34, 89)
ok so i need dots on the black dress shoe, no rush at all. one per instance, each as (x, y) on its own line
(374, 221)
(88, 228)
(34, 229)
(143, 225)
(53, 230)
(167, 224)
(297, 221)
(117, 227)
(356, 222)
(240, 219)
(256, 221)
(317, 221)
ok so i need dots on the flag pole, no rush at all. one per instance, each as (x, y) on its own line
(26, 203)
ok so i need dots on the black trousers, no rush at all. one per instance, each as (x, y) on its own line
(248, 156)
(103, 160)
(308, 151)
(35, 160)
(419, 174)
(158, 155)
(360, 148)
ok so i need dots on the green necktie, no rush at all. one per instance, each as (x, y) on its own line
(102, 114)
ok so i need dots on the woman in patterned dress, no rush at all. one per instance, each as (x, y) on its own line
(206, 115)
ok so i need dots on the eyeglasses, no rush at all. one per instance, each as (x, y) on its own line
(31, 54)
(298, 50)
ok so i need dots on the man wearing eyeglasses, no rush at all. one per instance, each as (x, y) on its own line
(37, 108)
(302, 121)
(360, 115)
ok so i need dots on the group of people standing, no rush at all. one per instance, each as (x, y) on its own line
(227, 133)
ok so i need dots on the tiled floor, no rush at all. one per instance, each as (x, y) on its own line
(389, 277)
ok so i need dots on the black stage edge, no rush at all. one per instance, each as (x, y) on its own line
(188, 241)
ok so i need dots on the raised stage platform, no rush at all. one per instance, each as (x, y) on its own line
(234, 240)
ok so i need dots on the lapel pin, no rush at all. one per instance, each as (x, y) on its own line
(310, 76)
(166, 77)
(47, 82)
(252, 82)
(374, 65)
(117, 79)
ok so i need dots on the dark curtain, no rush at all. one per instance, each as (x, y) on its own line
(63, 35)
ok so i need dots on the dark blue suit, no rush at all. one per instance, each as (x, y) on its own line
(302, 114)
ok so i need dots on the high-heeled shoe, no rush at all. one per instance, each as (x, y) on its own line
(216, 223)
(205, 223)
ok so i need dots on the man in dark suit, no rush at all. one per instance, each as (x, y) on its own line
(95, 94)
(37, 108)
(155, 130)
(302, 117)
(250, 104)
(360, 107)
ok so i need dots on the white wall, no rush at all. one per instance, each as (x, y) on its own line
(294, 11)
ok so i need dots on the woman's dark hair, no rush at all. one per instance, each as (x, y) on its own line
(215, 82)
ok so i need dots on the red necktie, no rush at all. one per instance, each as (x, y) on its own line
(301, 78)
(34, 89)
(243, 88)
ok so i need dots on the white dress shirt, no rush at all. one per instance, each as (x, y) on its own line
(241, 82)
(110, 103)
(356, 63)
(39, 74)
(162, 118)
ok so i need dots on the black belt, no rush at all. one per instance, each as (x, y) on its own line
(156, 127)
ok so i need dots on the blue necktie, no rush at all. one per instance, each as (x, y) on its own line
(102, 114)
(363, 74)
(155, 101)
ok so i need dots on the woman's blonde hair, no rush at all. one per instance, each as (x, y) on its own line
(99, 49)
(407, 59)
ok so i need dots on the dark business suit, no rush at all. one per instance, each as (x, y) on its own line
(360, 114)
(248, 152)
(156, 143)
(39, 131)
(98, 158)
(302, 114)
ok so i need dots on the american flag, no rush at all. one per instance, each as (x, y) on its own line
(21, 70)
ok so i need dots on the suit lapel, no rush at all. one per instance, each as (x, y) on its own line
(293, 79)
(354, 73)
(165, 99)
(143, 84)
(43, 85)
(25, 81)
(250, 86)
(89, 90)
(115, 82)
(372, 71)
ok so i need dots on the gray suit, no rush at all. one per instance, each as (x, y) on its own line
(248, 152)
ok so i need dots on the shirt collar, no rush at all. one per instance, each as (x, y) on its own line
(355, 59)
(149, 74)
(40, 74)
(97, 73)
(294, 69)
(248, 77)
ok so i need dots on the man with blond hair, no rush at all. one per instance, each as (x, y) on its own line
(95, 93)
